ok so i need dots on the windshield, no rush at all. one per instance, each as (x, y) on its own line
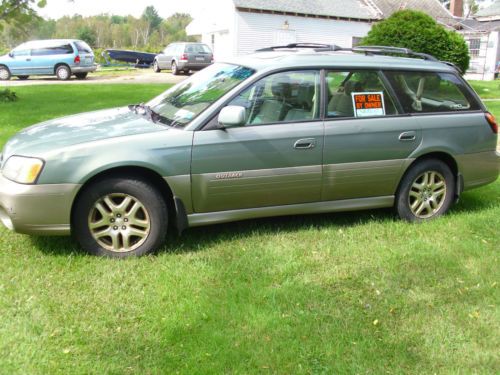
(184, 102)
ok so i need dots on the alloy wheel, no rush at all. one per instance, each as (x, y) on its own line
(427, 194)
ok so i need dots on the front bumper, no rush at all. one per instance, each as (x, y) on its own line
(83, 69)
(36, 209)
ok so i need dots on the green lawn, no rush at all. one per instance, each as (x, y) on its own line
(351, 293)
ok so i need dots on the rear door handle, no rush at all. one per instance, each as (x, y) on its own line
(304, 144)
(407, 136)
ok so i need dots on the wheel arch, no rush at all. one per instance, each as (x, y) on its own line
(62, 64)
(175, 206)
(446, 158)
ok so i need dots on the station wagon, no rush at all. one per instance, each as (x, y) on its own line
(299, 129)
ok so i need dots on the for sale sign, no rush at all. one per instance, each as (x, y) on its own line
(368, 104)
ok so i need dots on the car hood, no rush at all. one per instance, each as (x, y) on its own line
(82, 128)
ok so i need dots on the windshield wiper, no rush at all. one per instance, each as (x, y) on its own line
(151, 115)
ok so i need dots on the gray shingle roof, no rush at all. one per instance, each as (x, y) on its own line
(333, 8)
(360, 9)
(492, 10)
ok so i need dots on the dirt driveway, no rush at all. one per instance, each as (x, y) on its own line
(134, 76)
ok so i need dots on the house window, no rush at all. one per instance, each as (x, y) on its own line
(474, 47)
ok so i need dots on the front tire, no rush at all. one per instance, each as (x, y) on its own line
(63, 72)
(426, 191)
(119, 218)
(4, 73)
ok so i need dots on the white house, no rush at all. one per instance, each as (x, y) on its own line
(241, 26)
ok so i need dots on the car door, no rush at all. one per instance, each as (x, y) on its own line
(367, 138)
(274, 158)
(20, 63)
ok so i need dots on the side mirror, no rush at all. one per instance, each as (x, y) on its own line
(11, 54)
(232, 116)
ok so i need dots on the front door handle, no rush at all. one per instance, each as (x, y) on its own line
(304, 144)
(28, 59)
(407, 136)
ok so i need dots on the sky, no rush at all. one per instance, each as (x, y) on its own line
(59, 8)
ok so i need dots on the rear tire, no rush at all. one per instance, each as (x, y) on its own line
(4, 73)
(119, 218)
(23, 78)
(63, 72)
(175, 70)
(426, 191)
(156, 67)
(81, 75)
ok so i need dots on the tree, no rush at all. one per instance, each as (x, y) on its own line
(421, 33)
(88, 35)
(18, 12)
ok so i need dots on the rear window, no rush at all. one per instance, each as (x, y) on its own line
(197, 48)
(83, 47)
(60, 49)
(428, 92)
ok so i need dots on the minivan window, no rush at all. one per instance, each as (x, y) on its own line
(82, 47)
(357, 94)
(185, 101)
(60, 49)
(282, 97)
(427, 92)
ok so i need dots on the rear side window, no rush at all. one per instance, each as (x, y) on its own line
(428, 92)
(60, 49)
(83, 47)
(357, 94)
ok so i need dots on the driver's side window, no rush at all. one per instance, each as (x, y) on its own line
(281, 97)
(21, 52)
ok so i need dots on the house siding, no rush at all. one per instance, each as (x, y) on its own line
(260, 30)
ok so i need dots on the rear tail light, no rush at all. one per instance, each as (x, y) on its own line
(492, 122)
(212, 60)
(184, 57)
(77, 59)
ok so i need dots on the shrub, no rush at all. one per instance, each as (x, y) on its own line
(6, 95)
(421, 33)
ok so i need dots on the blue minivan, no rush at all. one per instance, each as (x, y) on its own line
(60, 57)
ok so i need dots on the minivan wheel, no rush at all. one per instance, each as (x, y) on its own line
(63, 72)
(4, 73)
(23, 78)
(175, 70)
(426, 191)
(119, 218)
(81, 75)
(156, 67)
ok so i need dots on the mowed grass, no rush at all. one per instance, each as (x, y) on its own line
(349, 293)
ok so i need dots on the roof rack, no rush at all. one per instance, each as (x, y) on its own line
(385, 50)
(367, 50)
(317, 47)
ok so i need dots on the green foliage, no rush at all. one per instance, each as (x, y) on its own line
(88, 35)
(18, 12)
(150, 15)
(7, 95)
(421, 33)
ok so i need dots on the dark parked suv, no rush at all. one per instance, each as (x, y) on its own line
(183, 57)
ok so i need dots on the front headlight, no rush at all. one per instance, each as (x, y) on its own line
(22, 169)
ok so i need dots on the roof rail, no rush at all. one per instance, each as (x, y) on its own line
(384, 50)
(317, 47)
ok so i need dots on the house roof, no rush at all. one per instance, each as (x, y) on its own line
(491, 11)
(358, 9)
(344, 9)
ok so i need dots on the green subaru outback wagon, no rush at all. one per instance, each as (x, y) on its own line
(295, 130)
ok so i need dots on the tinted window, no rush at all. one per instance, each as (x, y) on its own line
(281, 97)
(197, 48)
(62, 49)
(357, 94)
(83, 47)
(424, 92)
